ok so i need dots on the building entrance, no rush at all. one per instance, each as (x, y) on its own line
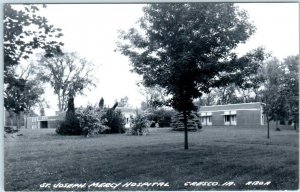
(44, 124)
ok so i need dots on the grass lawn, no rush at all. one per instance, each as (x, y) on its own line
(215, 155)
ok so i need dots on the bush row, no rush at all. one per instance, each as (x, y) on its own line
(91, 120)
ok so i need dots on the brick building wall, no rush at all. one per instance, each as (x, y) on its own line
(244, 114)
(249, 118)
(43, 122)
(217, 118)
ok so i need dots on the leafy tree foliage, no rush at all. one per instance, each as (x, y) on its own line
(23, 92)
(207, 99)
(155, 97)
(227, 95)
(90, 120)
(138, 125)
(123, 102)
(24, 30)
(21, 95)
(291, 87)
(42, 111)
(187, 48)
(67, 74)
(273, 93)
(160, 116)
(115, 120)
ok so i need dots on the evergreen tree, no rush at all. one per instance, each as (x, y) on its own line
(71, 125)
(101, 103)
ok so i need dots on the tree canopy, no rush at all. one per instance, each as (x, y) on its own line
(124, 102)
(68, 74)
(187, 48)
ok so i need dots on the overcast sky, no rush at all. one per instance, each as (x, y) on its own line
(92, 31)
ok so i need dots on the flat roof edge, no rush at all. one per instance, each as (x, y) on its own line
(235, 104)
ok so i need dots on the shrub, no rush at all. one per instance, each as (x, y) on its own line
(164, 121)
(70, 125)
(90, 120)
(115, 120)
(152, 123)
(162, 117)
(139, 125)
(8, 129)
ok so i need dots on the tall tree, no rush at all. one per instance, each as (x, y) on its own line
(23, 92)
(273, 93)
(71, 124)
(291, 85)
(24, 31)
(67, 74)
(21, 95)
(187, 48)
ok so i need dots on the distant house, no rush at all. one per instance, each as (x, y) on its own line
(127, 112)
(244, 114)
(44, 122)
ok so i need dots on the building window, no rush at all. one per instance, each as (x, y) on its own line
(44, 124)
(203, 119)
(209, 119)
(227, 118)
(230, 119)
(233, 117)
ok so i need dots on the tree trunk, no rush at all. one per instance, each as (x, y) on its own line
(268, 122)
(59, 102)
(276, 124)
(25, 120)
(186, 145)
(18, 115)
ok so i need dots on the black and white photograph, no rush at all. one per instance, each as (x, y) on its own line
(171, 96)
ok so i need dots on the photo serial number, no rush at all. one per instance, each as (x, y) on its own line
(258, 183)
(208, 184)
